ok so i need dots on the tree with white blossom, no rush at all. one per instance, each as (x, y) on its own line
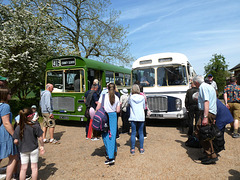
(27, 40)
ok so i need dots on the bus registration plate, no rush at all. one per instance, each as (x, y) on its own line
(64, 117)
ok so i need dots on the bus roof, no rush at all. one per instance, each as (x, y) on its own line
(160, 59)
(89, 63)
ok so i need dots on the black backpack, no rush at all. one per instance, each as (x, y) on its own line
(219, 142)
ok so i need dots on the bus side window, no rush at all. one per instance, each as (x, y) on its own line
(109, 77)
(127, 79)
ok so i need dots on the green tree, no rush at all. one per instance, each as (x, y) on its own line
(26, 41)
(91, 29)
(219, 69)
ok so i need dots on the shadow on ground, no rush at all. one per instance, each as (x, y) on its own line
(235, 175)
(47, 171)
(193, 153)
(58, 135)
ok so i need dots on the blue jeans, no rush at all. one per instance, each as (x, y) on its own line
(137, 126)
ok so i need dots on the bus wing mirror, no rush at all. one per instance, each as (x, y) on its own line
(191, 71)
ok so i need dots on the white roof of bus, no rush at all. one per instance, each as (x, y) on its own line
(177, 58)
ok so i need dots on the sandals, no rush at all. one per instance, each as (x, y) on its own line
(132, 151)
(141, 151)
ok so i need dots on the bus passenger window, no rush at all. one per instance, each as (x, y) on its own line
(127, 79)
(119, 79)
(109, 77)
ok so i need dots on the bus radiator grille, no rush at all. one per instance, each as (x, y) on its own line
(157, 103)
(63, 103)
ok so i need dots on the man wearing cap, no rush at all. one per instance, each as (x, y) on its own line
(3, 82)
(124, 103)
(212, 82)
(232, 101)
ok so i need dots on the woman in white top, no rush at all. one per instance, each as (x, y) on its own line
(112, 107)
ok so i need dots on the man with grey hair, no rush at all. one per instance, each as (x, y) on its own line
(47, 113)
(207, 104)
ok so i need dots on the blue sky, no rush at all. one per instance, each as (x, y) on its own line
(196, 28)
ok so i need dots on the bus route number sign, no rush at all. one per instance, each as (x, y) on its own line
(63, 62)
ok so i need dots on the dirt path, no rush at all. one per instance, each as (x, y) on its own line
(165, 157)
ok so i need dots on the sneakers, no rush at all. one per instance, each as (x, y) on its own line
(54, 141)
(236, 135)
(28, 177)
(209, 161)
(110, 162)
(95, 139)
(203, 158)
(45, 140)
(2, 176)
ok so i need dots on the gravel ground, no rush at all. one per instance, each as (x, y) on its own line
(165, 157)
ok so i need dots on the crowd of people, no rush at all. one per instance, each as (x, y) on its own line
(132, 108)
(202, 104)
(20, 143)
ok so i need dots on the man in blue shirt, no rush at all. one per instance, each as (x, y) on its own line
(46, 104)
(207, 104)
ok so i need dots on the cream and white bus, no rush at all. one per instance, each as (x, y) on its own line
(165, 78)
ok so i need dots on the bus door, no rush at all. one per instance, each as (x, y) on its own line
(94, 74)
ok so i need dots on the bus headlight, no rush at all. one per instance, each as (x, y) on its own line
(80, 108)
(178, 104)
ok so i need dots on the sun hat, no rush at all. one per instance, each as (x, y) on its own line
(124, 91)
(34, 107)
(2, 78)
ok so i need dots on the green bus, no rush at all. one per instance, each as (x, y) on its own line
(72, 76)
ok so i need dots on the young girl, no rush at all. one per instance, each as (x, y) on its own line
(35, 117)
(25, 135)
